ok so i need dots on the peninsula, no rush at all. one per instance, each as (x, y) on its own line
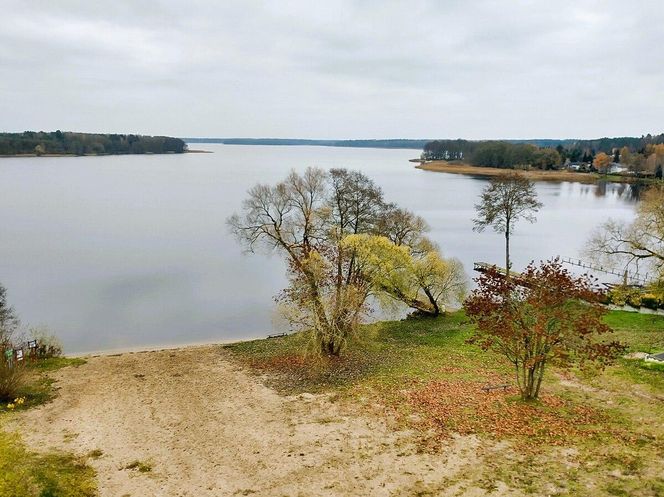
(66, 143)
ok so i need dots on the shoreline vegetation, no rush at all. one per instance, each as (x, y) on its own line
(393, 410)
(455, 167)
(32, 155)
(622, 159)
(59, 143)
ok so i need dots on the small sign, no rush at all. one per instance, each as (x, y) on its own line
(19, 355)
(32, 344)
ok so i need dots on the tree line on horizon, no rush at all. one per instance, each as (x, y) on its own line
(70, 143)
(638, 154)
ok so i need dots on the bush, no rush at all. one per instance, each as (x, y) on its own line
(12, 380)
(48, 345)
(621, 295)
(634, 299)
(650, 301)
(618, 296)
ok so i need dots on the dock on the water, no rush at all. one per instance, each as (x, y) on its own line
(627, 277)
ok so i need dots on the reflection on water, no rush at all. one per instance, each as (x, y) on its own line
(623, 191)
(129, 251)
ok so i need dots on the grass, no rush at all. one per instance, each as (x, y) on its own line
(23, 473)
(641, 332)
(51, 474)
(140, 466)
(39, 387)
(385, 353)
(593, 432)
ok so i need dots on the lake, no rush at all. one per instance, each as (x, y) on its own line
(133, 251)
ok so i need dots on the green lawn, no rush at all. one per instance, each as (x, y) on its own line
(425, 375)
(24, 473)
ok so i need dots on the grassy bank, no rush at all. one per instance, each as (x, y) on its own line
(48, 474)
(534, 175)
(594, 432)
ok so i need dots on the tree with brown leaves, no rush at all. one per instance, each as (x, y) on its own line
(601, 162)
(545, 315)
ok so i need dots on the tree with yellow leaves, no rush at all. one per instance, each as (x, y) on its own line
(417, 276)
(306, 218)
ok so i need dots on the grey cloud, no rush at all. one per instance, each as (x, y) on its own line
(350, 68)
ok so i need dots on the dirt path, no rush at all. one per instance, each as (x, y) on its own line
(210, 429)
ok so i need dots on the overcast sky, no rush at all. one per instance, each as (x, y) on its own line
(338, 69)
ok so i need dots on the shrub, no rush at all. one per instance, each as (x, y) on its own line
(621, 295)
(634, 299)
(48, 345)
(650, 301)
(12, 380)
(618, 296)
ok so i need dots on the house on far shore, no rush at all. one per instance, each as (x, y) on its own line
(615, 168)
(575, 166)
(655, 357)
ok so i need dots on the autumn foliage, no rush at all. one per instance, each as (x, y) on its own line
(546, 315)
(461, 406)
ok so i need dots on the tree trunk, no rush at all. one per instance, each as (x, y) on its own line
(529, 380)
(508, 264)
(540, 376)
(434, 304)
(331, 347)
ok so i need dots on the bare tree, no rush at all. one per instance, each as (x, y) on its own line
(306, 217)
(640, 243)
(508, 198)
(9, 321)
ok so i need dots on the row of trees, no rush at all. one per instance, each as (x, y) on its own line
(641, 155)
(58, 142)
(501, 154)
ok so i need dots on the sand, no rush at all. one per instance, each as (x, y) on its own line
(534, 175)
(209, 428)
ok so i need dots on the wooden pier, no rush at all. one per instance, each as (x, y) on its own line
(627, 277)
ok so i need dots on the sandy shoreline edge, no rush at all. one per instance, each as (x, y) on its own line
(535, 175)
(140, 349)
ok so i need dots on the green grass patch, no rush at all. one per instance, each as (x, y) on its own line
(55, 363)
(38, 388)
(594, 432)
(386, 353)
(640, 372)
(23, 473)
(641, 332)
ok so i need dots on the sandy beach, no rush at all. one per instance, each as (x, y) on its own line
(534, 175)
(207, 427)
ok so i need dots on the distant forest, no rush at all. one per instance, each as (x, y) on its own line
(638, 154)
(68, 143)
(390, 143)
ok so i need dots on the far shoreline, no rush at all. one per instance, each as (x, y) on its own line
(27, 156)
(442, 166)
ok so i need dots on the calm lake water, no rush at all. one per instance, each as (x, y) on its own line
(132, 251)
